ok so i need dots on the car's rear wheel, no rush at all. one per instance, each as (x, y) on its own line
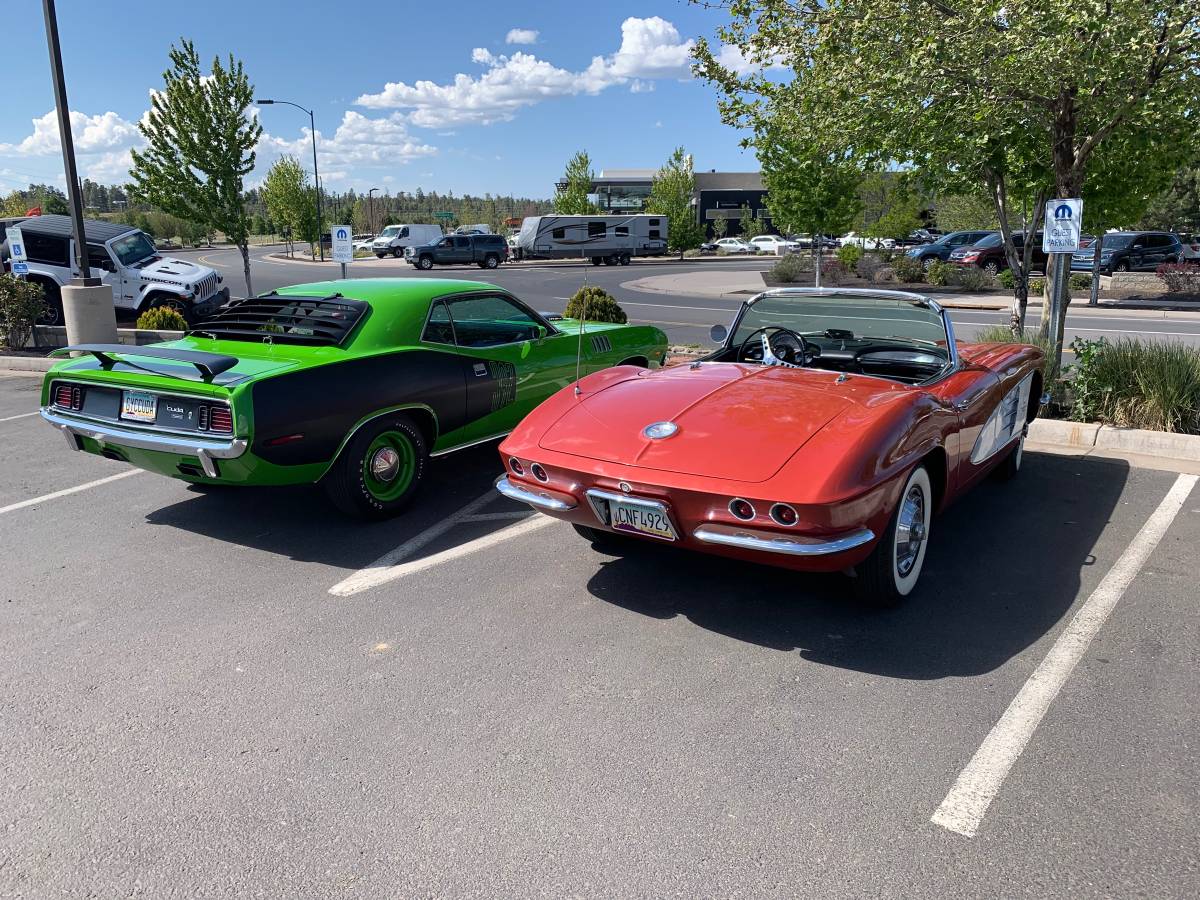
(491, 261)
(379, 470)
(425, 262)
(600, 539)
(992, 268)
(52, 313)
(891, 572)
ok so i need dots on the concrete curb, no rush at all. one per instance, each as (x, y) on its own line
(1093, 436)
(26, 363)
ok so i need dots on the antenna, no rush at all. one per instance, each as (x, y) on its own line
(582, 318)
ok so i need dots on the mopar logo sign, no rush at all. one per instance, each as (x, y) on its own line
(343, 249)
(1063, 221)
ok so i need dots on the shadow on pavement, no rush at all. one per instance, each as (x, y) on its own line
(300, 523)
(1002, 568)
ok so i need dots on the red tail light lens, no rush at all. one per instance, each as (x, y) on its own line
(741, 509)
(220, 419)
(68, 396)
(784, 514)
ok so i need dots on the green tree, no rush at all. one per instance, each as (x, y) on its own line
(890, 208)
(1176, 207)
(981, 97)
(965, 212)
(720, 226)
(571, 196)
(290, 199)
(200, 146)
(749, 225)
(671, 194)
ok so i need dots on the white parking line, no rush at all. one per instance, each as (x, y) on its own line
(977, 784)
(391, 565)
(13, 507)
(21, 416)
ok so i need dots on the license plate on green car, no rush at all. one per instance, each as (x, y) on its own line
(138, 406)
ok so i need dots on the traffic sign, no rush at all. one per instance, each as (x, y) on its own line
(16, 245)
(1064, 222)
(343, 244)
(20, 268)
(444, 215)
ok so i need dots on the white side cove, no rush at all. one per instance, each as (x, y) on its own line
(1005, 423)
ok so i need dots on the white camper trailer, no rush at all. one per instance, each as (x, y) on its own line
(612, 240)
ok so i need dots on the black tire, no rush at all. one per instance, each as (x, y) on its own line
(168, 302)
(346, 482)
(491, 261)
(609, 260)
(1011, 464)
(1122, 266)
(928, 261)
(380, 255)
(880, 579)
(596, 260)
(425, 262)
(598, 537)
(53, 314)
(991, 267)
(624, 259)
(397, 252)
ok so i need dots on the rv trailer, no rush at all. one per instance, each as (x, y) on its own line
(612, 240)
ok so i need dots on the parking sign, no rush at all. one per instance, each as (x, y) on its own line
(343, 244)
(16, 245)
(1064, 221)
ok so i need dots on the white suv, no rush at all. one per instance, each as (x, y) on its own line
(123, 257)
(773, 243)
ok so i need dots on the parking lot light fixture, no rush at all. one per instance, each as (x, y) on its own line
(312, 129)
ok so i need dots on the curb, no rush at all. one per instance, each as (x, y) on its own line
(26, 363)
(1093, 436)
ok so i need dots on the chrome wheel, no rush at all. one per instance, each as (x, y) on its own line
(910, 530)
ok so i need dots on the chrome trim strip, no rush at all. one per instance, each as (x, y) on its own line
(790, 545)
(198, 445)
(457, 447)
(541, 500)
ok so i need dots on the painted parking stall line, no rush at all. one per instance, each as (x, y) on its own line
(66, 492)
(20, 416)
(977, 785)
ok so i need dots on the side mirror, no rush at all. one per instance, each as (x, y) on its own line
(542, 331)
(718, 333)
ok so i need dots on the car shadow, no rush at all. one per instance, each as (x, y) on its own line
(1002, 568)
(300, 523)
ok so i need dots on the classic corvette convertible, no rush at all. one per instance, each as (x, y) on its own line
(822, 435)
(353, 384)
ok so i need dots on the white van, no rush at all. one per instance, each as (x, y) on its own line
(394, 238)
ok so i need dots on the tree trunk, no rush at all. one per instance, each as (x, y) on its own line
(1094, 298)
(1068, 182)
(244, 247)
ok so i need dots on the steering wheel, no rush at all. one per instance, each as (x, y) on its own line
(783, 348)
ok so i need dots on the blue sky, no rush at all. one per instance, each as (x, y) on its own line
(468, 96)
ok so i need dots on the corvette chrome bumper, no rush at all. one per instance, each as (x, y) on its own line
(205, 448)
(552, 501)
(773, 542)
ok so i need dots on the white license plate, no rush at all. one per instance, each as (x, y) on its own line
(641, 519)
(139, 407)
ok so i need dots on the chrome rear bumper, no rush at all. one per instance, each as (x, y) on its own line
(205, 448)
(773, 542)
(551, 501)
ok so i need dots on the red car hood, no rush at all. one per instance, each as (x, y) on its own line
(735, 422)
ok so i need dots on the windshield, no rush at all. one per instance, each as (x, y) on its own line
(390, 231)
(1117, 241)
(848, 316)
(132, 248)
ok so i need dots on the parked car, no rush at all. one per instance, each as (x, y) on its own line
(123, 257)
(940, 249)
(349, 384)
(988, 253)
(1130, 251)
(484, 250)
(1189, 251)
(732, 245)
(396, 239)
(363, 243)
(918, 237)
(867, 243)
(773, 243)
(822, 435)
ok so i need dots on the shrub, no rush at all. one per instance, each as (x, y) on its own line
(884, 275)
(1179, 277)
(1154, 385)
(162, 318)
(849, 255)
(908, 270)
(694, 252)
(1002, 334)
(1036, 285)
(596, 304)
(1080, 282)
(868, 265)
(789, 269)
(833, 271)
(1007, 279)
(972, 279)
(21, 304)
(941, 273)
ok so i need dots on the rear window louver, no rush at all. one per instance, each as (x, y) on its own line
(601, 344)
(275, 318)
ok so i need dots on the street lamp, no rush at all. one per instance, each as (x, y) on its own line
(371, 208)
(312, 128)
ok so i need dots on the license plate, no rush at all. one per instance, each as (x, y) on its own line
(641, 519)
(139, 407)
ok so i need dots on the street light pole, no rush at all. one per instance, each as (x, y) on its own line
(312, 129)
(371, 208)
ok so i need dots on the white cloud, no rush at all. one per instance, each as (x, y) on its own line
(521, 36)
(650, 49)
(639, 86)
(358, 141)
(91, 134)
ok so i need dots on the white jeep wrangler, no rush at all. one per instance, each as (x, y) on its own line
(123, 257)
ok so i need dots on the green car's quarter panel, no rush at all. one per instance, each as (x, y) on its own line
(276, 391)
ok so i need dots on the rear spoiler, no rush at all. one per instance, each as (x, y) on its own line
(210, 365)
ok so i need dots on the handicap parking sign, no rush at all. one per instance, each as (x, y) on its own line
(20, 268)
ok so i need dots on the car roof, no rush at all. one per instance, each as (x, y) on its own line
(95, 230)
(384, 292)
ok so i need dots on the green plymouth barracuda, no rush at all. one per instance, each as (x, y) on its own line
(350, 384)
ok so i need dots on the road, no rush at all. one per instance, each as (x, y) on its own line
(224, 694)
(686, 320)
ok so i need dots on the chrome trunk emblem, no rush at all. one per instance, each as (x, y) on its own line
(656, 431)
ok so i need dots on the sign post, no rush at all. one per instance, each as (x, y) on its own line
(343, 246)
(16, 248)
(1064, 221)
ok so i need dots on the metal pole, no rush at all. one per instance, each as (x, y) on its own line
(1058, 301)
(312, 125)
(68, 145)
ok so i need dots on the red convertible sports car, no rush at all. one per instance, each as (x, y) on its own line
(822, 435)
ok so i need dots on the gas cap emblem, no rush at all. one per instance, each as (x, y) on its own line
(659, 430)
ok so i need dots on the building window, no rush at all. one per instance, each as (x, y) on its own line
(559, 234)
(596, 229)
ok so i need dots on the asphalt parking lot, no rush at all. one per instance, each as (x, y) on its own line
(243, 693)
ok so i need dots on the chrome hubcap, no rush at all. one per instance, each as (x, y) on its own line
(385, 464)
(910, 530)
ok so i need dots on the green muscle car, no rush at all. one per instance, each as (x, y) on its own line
(352, 384)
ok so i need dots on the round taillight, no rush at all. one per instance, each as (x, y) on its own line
(515, 465)
(741, 509)
(539, 473)
(784, 514)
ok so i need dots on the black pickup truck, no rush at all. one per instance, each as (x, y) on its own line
(484, 250)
